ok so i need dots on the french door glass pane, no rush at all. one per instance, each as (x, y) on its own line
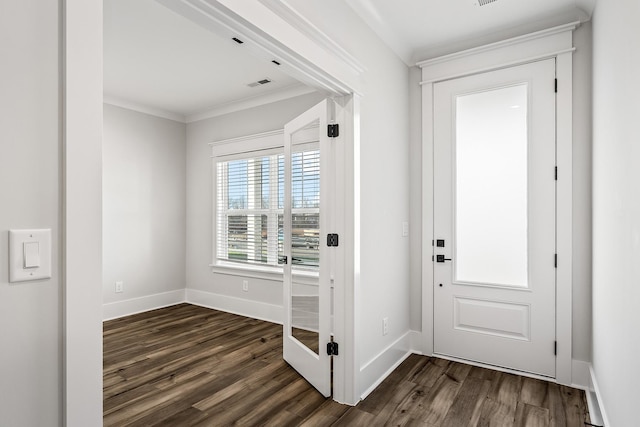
(491, 187)
(305, 234)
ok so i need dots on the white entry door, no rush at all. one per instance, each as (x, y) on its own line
(307, 304)
(494, 218)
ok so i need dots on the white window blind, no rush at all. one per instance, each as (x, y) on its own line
(250, 209)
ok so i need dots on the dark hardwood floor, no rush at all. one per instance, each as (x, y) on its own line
(191, 366)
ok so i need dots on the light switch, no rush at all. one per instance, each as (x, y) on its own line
(31, 254)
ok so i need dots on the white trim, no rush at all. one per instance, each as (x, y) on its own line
(285, 11)
(580, 374)
(417, 342)
(269, 36)
(494, 56)
(216, 111)
(375, 370)
(117, 309)
(427, 217)
(564, 216)
(134, 106)
(243, 307)
(514, 51)
(514, 41)
(247, 144)
(247, 103)
(499, 66)
(81, 213)
(596, 403)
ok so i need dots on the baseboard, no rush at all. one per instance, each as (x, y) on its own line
(417, 342)
(114, 310)
(595, 402)
(380, 366)
(243, 307)
(580, 376)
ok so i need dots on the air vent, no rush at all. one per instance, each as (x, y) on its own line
(259, 83)
(485, 2)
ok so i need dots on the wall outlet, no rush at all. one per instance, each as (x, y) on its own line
(405, 229)
(119, 287)
(245, 285)
(385, 326)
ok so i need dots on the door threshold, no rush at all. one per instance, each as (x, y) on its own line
(495, 367)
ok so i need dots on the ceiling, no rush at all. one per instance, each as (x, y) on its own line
(422, 29)
(160, 62)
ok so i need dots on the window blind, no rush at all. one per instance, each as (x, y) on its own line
(250, 209)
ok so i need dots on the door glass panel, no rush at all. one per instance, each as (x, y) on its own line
(491, 187)
(305, 234)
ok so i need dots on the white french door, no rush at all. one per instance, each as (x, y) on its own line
(307, 264)
(494, 218)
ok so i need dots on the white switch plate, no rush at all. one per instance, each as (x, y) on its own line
(17, 240)
(245, 285)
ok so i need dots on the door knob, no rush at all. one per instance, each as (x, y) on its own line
(441, 258)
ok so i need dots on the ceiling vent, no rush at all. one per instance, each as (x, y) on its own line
(484, 2)
(259, 83)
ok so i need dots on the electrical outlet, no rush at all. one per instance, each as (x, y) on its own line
(119, 287)
(245, 285)
(405, 229)
(385, 326)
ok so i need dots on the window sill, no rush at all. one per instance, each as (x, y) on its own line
(263, 272)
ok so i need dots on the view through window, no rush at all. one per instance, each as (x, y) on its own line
(250, 209)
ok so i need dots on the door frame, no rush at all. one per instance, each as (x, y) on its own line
(306, 53)
(556, 43)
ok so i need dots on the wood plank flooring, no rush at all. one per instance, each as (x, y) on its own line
(191, 366)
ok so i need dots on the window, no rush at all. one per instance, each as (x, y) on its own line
(250, 208)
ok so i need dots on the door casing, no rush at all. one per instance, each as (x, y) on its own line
(556, 42)
(81, 62)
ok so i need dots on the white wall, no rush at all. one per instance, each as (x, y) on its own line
(144, 214)
(199, 277)
(616, 208)
(384, 189)
(581, 262)
(30, 312)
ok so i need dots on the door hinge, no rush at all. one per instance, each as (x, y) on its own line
(333, 130)
(332, 348)
(555, 260)
(556, 86)
(332, 240)
(555, 348)
(556, 173)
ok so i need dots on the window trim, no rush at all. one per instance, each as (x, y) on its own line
(263, 144)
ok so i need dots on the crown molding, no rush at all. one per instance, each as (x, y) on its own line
(286, 12)
(140, 108)
(246, 103)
